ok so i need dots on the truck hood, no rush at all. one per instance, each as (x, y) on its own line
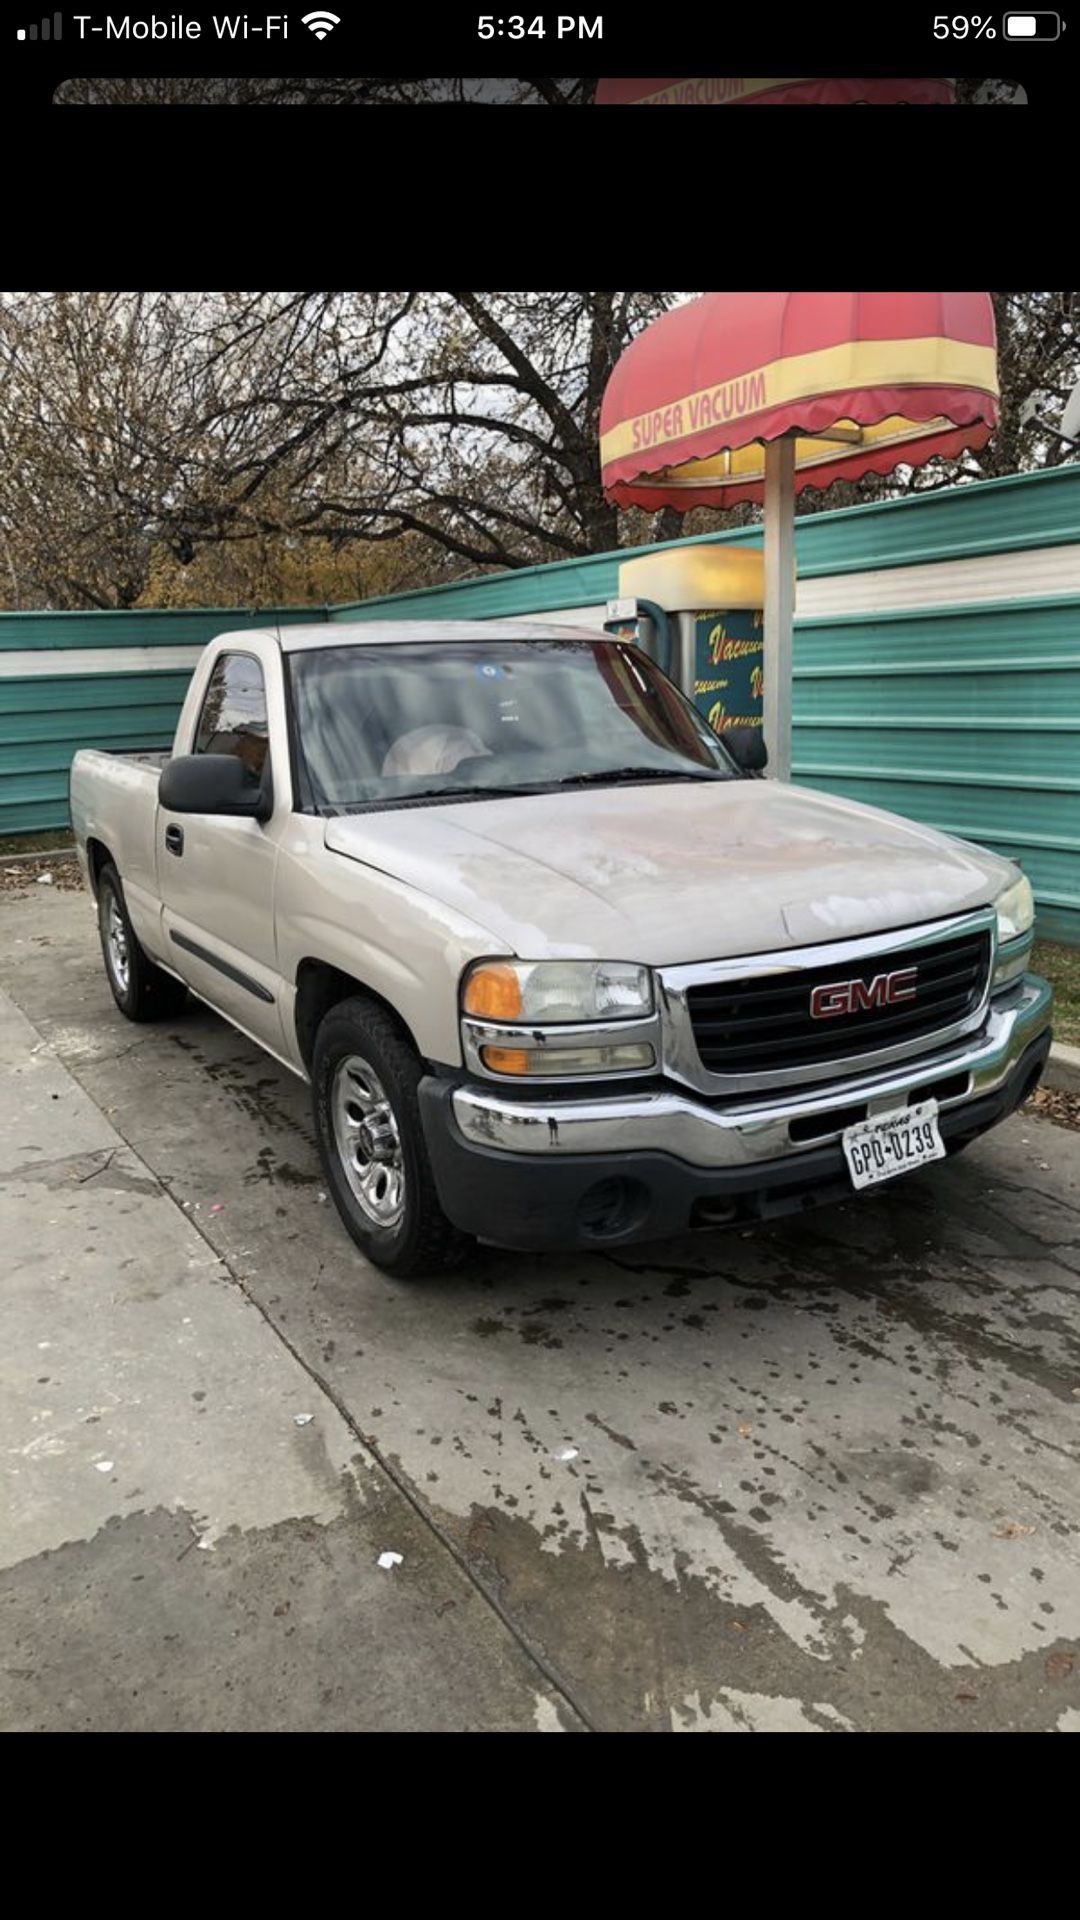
(666, 875)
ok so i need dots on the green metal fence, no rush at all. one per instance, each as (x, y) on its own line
(967, 717)
(937, 667)
(112, 680)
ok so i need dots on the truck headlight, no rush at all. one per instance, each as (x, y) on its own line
(553, 992)
(1015, 910)
(1015, 919)
(568, 1019)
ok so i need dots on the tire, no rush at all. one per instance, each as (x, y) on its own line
(365, 1074)
(141, 990)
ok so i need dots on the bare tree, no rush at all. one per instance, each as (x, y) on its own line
(330, 90)
(135, 423)
(87, 407)
(142, 435)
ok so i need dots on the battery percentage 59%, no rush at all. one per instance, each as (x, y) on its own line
(959, 26)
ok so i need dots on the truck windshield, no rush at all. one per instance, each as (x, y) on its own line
(379, 726)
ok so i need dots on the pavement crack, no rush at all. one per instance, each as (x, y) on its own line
(94, 1171)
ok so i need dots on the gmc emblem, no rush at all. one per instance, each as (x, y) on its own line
(858, 996)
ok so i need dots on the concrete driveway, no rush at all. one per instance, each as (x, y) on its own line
(818, 1476)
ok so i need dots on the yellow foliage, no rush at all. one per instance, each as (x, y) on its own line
(274, 571)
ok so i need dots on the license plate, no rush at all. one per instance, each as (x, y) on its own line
(896, 1143)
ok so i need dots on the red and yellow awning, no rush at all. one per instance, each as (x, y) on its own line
(865, 382)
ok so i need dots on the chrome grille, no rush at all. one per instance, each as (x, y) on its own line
(763, 1023)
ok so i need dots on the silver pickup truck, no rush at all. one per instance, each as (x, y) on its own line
(548, 991)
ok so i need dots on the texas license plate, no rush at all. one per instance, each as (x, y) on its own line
(880, 1149)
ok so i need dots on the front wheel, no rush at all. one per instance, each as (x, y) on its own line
(141, 990)
(365, 1076)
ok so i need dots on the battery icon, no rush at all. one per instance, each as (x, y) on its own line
(1032, 26)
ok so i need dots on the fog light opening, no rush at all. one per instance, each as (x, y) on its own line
(611, 1207)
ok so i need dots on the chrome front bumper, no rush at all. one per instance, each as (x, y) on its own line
(757, 1129)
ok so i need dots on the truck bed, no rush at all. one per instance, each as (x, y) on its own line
(154, 757)
(114, 806)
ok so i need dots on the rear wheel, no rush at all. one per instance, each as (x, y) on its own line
(141, 990)
(365, 1076)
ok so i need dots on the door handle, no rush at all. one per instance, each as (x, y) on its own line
(174, 840)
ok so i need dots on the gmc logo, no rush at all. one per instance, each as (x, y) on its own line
(858, 996)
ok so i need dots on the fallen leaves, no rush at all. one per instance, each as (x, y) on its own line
(64, 876)
(1012, 1530)
(1058, 1666)
(1063, 1109)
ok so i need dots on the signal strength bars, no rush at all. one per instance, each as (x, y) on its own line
(48, 30)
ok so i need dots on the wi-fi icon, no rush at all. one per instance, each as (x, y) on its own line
(322, 23)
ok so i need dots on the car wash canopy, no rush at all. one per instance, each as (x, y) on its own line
(867, 382)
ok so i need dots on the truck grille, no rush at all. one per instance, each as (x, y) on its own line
(752, 1026)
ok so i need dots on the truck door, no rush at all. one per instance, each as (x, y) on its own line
(216, 874)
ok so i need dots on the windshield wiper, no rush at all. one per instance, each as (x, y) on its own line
(524, 789)
(613, 775)
(430, 794)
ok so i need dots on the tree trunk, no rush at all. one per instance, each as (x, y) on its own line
(668, 524)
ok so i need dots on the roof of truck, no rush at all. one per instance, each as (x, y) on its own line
(370, 633)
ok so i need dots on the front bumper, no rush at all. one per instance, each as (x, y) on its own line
(608, 1169)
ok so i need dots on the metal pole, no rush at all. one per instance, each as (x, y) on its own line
(779, 602)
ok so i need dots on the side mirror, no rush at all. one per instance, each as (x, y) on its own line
(214, 783)
(746, 746)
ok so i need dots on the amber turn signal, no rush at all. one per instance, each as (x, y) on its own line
(505, 1059)
(636, 1057)
(493, 992)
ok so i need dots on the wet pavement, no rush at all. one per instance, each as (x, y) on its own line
(815, 1476)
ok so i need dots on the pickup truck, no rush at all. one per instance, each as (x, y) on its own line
(561, 967)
